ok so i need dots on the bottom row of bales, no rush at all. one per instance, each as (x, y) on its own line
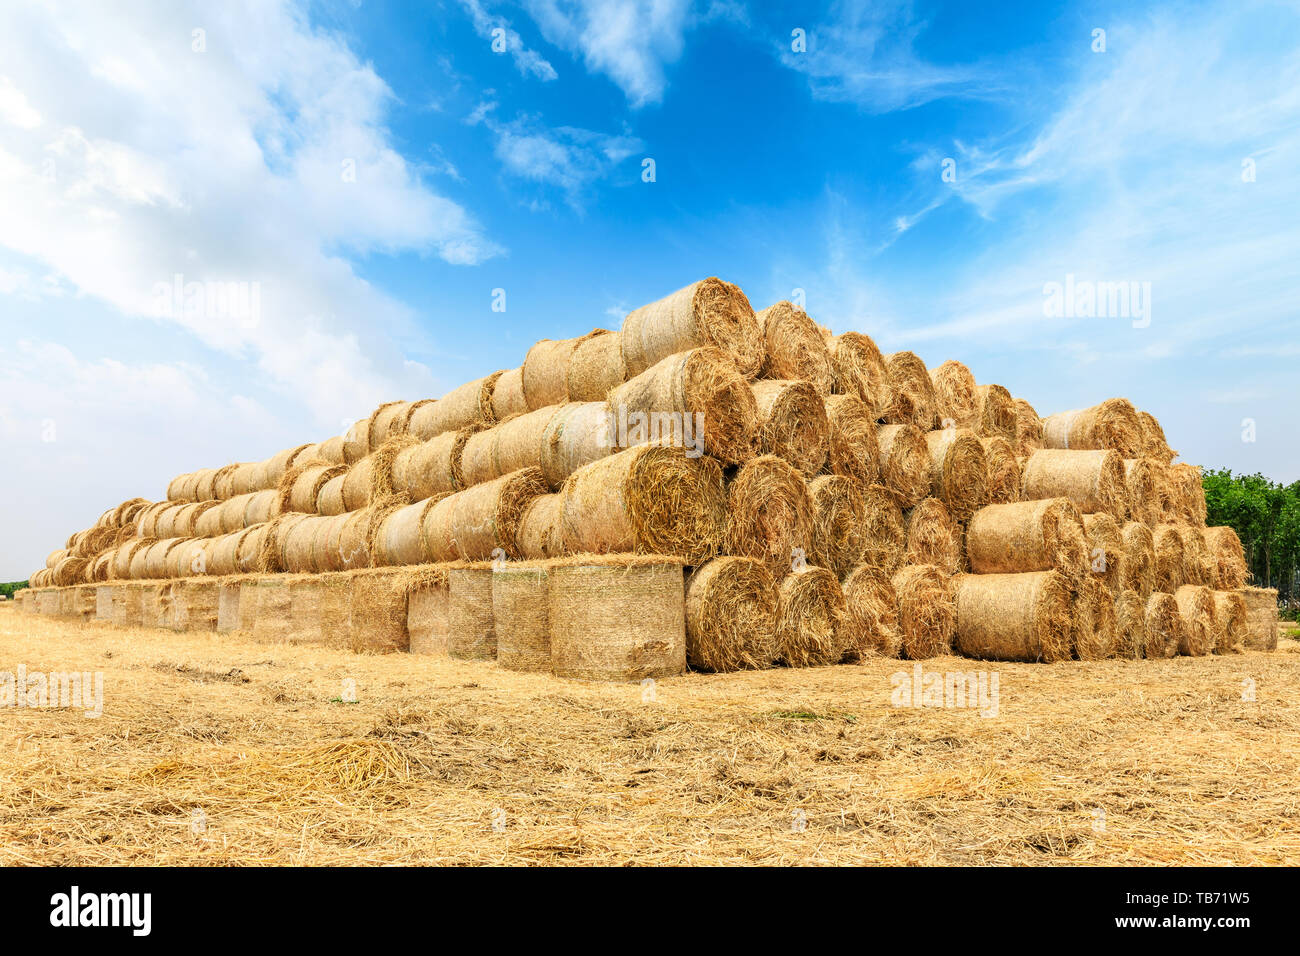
(627, 618)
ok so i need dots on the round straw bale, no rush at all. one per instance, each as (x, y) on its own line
(958, 470)
(1130, 624)
(1163, 626)
(1139, 562)
(356, 441)
(546, 371)
(222, 553)
(271, 556)
(521, 618)
(1045, 535)
(179, 485)
(187, 519)
(860, 370)
(1093, 480)
(262, 506)
(70, 571)
(933, 537)
(1188, 493)
(995, 413)
(1262, 614)
(277, 465)
(1144, 478)
(401, 536)
(912, 399)
(241, 479)
(164, 522)
(1233, 622)
(204, 482)
(187, 559)
(730, 615)
(230, 513)
(1201, 566)
(793, 424)
(505, 447)
(469, 404)
(1105, 549)
(331, 450)
(1154, 444)
(1029, 429)
(904, 463)
(578, 434)
(120, 569)
(884, 531)
(869, 627)
(377, 613)
(617, 620)
(471, 525)
(838, 515)
(692, 396)
(350, 541)
(145, 527)
(387, 421)
(54, 557)
(541, 528)
(646, 500)
(299, 546)
(854, 450)
(508, 395)
(156, 558)
(1200, 627)
(1004, 475)
(596, 366)
(372, 478)
(471, 631)
(100, 565)
(769, 513)
(1230, 571)
(326, 553)
(432, 468)
(1111, 425)
(793, 347)
(954, 395)
(1013, 617)
(305, 488)
(1171, 558)
(810, 608)
(711, 312)
(1094, 621)
(927, 611)
(329, 500)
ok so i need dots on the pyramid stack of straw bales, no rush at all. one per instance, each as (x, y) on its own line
(707, 486)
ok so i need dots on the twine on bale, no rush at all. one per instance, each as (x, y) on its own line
(810, 606)
(1145, 480)
(546, 370)
(904, 463)
(1105, 549)
(577, 435)
(837, 518)
(508, 395)
(884, 532)
(927, 611)
(731, 615)
(933, 537)
(468, 404)
(954, 394)
(1013, 617)
(958, 470)
(710, 312)
(793, 347)
(1093, 480)
(912, 398)
(596, 366)
(792, 424)
(685, 397)
(470, 525)
(1112, 425)
(860, 371)
(1233, 622)
(995, 413)
(1199, 625)
(1130, 625)
(769, 513)
(1230, 571)
(1040, 535)
(854, 450)
(1139, 562)
(1093, 631)
(1003, 474)
(869, 627)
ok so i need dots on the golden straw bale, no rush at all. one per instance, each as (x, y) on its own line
(1139, 563)
(1004, 475)
(710, 312)
(1154, 444)
(1130, 624)
(927, 611)
(1105, 549)
(508, 395)
(1013, 617)
(596, 366)
(262, 506)
(1145, 480)
(854, 449)
(1171, 557)
(546, 371)
(792, 423)
(730, 615)
(1093, 632)
(954, 393)
(1093, 480)
(471, 525)
(995, 413)
(860, 371)
(578, 434)
(433, 467)
(468, 404)
(793, 347)
(1199, 566)
(329, 500)
(505, 447)
(303, 485)
(1163, 626)
(276, 466)
(1233, 622)
(471, 630)
(838, 515)
(904, 463)
(401, 537)
(377, 612)
(204, 480)
(958, 470)
(912, 398)
(933, 537)
(1262, 617)
(769, 513)
(1229, 558)
(356, 441)
(869, 627)
(1188, 493)
(428, 616)
(373, 477)
(520, 617)
(1200, 626)
(884, 532)
(810, 609)
(541, 528)
(689, 398)
(1043, 535)
(1112, 425)
(331, 450)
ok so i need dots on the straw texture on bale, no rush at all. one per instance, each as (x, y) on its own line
(646, 500)
(617, 621)
(1093, 631)
(304, 484)
(927, 612)
(377, 612)
(401, 539)
(838, 515)
(1163, 626)
(1154, 444)
(1013, 617)
(433, 467)
(884, 532)
(685, 397)
(792, 423)
(372, 478)
(577, 435)
(904, 463)
(471, 524)
(995, 413)
(730, 615)
(546, 371)
(793, 347)
(1139, 562)
(596, 366)
(1200, 627)
(854, 450)
(521, 618)
(1093, 480)
(958, 470)
(1229, 558)
(1262, 617)
(1145, 480)
(1234, 622)
(912, 398)
(769, 513)
(860, 371)
(1171, 558)
(710, 312)
(810, 608)
(471, 634)
(262, 506)
(506, 447)
(331, 450)
(540, 534)
(1130, 624)
(428, 619)
(128, 605)
(1045, 535)
(1112, 425)
(469, 404)
(954, 395)
(508, 395)
(933, 537)
(1105, 549)
(1003, 473)
(274, 617)
(1200, 566)
(1187, 493)
(869, 627)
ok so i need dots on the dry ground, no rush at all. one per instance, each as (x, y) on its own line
(213, 750)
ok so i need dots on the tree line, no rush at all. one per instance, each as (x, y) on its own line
(1266, 516)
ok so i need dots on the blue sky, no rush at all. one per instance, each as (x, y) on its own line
(211, 140)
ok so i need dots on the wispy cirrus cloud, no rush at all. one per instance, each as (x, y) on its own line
(528, 61)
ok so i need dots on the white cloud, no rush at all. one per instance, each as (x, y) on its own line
(14, 108)
(529, 62)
